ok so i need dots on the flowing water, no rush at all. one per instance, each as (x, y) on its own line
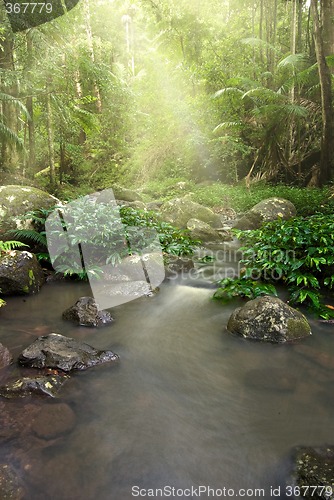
(188, 404)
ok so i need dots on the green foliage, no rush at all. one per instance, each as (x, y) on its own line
(173, 241)
(243, 287)
(7, 246)
(110, 238)
(298, 252)
(307, 201)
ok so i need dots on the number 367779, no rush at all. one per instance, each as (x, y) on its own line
(29, 8)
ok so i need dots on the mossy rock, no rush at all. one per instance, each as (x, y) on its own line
(269, 319)
(180, 210)
(20, 273)
(265, 211)
(16, 201)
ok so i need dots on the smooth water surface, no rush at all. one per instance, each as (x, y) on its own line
(188, 404)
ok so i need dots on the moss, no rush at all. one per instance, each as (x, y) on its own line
(298, 328)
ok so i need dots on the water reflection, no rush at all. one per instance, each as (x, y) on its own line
(187, 405)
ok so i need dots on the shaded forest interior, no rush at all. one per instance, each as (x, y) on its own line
(157, 90)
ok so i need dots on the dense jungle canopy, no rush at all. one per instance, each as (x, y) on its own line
(148, 90)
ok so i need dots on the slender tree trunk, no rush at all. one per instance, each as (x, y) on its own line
(78, 88)
(49, 127)
(30, 105)
(327, 140)
(90, 41)
(9, 157)
(261, 29)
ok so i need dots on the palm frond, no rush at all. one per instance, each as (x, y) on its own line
(257, 42)
(228, 91)
(228, 125)
(9, 136)
(294, 61)
(16, 102)
(264, 95)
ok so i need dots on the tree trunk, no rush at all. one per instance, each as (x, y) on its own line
(30, 105)
(9, 157)
(49, 127)
(327, 139)
(89, 34)
(327, 20)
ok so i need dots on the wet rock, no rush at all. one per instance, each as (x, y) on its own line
(175, 265)
(10, 486)
(46, 385)
(322, 359)
(85, 312)
(20, 273)
(269, 319)
(16, 201)
(314, 467)
(56, 351)
(200, 230)
(5, 357)
(53, 420)
(180, 210)
(265, 211)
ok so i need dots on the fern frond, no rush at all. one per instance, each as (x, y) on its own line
(30, 235)
(7, 246)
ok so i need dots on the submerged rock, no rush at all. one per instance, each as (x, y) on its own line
(10, 486)
(270, 379)
(56, 351)
(20, 273)
(26, 386)
(175, 265)
(314, 468)
(53, 420)
(269, 319)
(5, 357)
(85, 312)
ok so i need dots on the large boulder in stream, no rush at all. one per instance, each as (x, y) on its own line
(178, 212)
(85, 312)
(265, 211)
(269, 319)
(56, 351)
(314, 472)
(16, 201)
(20, 273)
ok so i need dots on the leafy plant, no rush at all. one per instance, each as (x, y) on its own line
(111, 233)
(298, 252)
(243, 287)
(8, 246)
